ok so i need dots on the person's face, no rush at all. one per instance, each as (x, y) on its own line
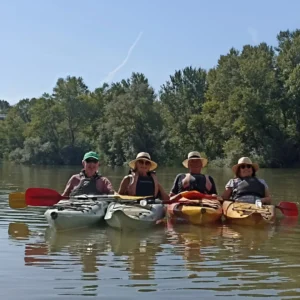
(195, 165)
(245, 170)
(143, 165)
(91, 166)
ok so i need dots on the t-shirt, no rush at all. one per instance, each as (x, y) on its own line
(233, 183)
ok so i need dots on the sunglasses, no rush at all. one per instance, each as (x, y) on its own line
(144, 162)
(245, 166)
(91, 160)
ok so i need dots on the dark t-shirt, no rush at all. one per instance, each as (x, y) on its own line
(198, 184)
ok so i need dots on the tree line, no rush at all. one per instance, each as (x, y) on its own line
(248, 105)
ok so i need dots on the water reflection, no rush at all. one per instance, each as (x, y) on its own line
(191, 242)
(219, 260)
(181, 261)
(18, 231)
(140, 248)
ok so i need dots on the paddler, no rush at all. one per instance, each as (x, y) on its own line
(88, 181)
(245, 186)
(142, 180)
(194, 180)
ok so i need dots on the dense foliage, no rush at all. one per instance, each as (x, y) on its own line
(249, 104)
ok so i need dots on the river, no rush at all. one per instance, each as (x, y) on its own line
(219, 261)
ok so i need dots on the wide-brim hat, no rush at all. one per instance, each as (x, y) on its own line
(194, 155)
(143, 156)
(246, 161)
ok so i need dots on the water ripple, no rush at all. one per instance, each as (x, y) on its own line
(167, 262)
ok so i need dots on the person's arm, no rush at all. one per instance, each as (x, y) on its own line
(227, 193)
(107, 187)
(69, 187)
(213, 189)
(174, 189)
(187, 180)
(228, 190)
(124, 185)
(267, 199)
(164, 196)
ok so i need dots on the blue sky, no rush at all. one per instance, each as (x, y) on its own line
(108, 40)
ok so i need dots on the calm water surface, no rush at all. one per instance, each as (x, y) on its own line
(219, 261)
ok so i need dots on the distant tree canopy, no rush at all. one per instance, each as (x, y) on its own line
(248, 105)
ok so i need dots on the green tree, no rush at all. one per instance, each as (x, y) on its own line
(182, 98)
(4, 106)
(68, 95)
(131, 123)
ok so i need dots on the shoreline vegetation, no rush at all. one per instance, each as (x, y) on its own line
(248, 105)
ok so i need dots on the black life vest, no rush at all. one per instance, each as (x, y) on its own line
(145, 186)
(253, 188)
(198, 184)
(87, 185)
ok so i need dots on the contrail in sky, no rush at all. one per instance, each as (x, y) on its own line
(111, 74)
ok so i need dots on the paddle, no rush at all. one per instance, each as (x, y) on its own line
(49, 197)
(289, 209)
(17, 200)
(192, 195)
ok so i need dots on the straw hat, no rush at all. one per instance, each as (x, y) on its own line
(246, 161)
(143, 156)
(194, 155)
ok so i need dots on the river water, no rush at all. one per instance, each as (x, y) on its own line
(218, 261)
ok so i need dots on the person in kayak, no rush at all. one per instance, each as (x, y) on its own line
(142, 180)
(245, 186)
(88, 181)
(194, 180)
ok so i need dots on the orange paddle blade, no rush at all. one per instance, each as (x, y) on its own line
(17, 200)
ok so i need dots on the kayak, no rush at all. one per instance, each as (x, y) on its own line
(248, 214)
(74, 214)
(133, 216)
(197, 212)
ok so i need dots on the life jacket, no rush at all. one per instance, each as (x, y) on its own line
(134, 181)
(87, 185)
(202, 184)
(253, 188)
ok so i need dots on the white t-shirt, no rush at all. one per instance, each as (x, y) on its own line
(233, 183)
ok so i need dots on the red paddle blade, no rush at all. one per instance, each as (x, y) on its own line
(196, 195)
(289, 209)
(42, 197)
(191, 195)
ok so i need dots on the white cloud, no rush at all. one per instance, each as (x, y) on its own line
(111, 74)
(254, 35)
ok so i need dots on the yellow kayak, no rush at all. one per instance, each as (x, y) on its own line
(248, 214)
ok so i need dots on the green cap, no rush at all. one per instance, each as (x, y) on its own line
(91, 154)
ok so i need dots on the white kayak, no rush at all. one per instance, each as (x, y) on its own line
(133, 216)
(72, 214)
